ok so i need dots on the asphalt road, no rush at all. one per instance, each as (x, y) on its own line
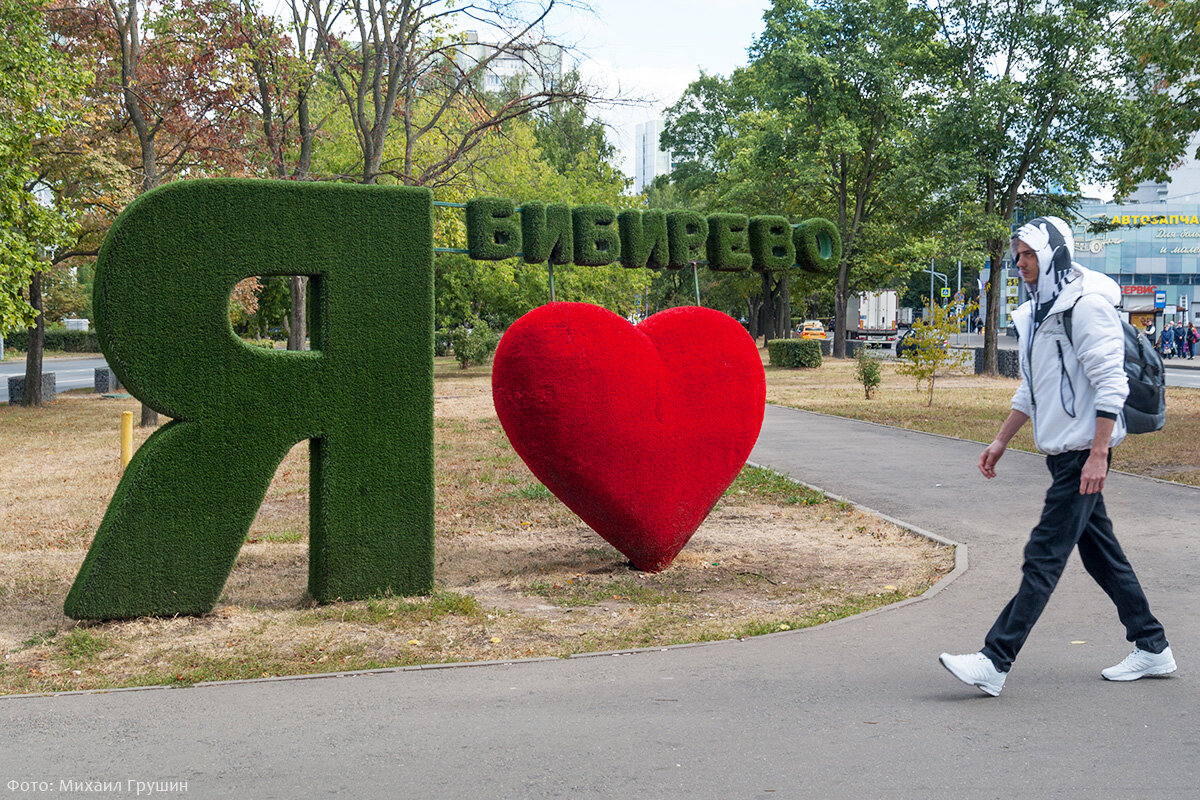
(856, 709)
(70, 373)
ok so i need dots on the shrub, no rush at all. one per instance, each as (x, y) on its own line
(57, 338)
(794, 352)
(442, 341)
(867, 372)
(474, 345)
(929, 345)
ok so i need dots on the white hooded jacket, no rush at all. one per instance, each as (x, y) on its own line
(1064, 382)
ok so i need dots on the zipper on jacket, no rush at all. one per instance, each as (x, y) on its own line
(1065, 385)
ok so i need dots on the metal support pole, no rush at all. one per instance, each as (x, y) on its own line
(550, 267)
(126, 438)
(696, 281)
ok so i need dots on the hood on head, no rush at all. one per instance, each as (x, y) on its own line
(1050, 238)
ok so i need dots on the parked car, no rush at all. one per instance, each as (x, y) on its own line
(903, 344)
(812, 330)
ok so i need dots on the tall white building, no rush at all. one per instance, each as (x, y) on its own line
(649, 160)
(531, 67)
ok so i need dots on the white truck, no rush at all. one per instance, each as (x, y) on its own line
(872, 316)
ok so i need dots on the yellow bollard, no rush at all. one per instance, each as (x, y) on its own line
(126, 438)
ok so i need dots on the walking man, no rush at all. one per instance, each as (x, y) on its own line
(1074, 388)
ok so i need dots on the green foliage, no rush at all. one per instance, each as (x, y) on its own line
(62, 294)
(501, 291)
(443, 340)
(867, 371)
(818, 245)
(771, 245)
(728, 242)
(1159, 54)
(57, 338)
(547, 233)
(644, 240)
(597, 240)
(186, 502)
(37, 84)
(493, 228)
(804, 353)
(567, 136)
(474, 344)
(772, 487)
(687, 237)
(927, 347)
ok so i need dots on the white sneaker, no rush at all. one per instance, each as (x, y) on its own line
(1139, 664)
(977, 670)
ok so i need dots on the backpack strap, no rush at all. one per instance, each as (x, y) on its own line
(1067, 316)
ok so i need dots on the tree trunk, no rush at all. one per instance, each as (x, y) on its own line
(752, 306)
(784, 305)
(839, 313)
(296, 320)
(37, 338)
(768, 309)
(995, 295)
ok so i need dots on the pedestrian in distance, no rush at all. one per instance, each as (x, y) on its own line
(1168, 340)
(1075, 394)
(1190, 338)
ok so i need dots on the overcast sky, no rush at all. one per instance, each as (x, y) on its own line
(654, 49)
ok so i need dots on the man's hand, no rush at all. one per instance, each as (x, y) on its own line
(1095, 470)
(991, 454)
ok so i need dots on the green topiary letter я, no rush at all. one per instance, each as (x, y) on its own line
(363, 396)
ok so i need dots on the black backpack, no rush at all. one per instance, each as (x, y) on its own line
(1146, 406)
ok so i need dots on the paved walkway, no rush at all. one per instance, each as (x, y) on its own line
(856, 709)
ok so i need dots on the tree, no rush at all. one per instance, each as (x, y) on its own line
(407, 75)
(1159, 52)
(847, 83)
(694, 127)
(36, 84)
(284, 57)
(1030, 98)
(927, 345)
(168, 79)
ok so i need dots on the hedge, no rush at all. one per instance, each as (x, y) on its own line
(771, 245)
(728, 242)
(363, 396)
(794, 352)
(56, 339)
(547, 233)
(597, 241)
(818, 245)
(687, 235)
(644, 241)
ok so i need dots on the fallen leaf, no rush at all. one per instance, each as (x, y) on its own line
(495, 640)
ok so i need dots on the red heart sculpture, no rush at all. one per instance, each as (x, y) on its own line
(638, 430)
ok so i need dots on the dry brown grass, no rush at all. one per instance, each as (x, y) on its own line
(518, 574)
(972, 407)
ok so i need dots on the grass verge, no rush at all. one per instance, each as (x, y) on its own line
(518, 575)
